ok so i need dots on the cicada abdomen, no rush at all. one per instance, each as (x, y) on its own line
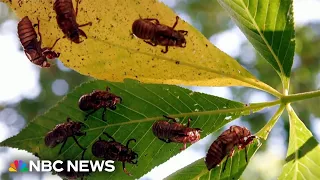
(175, 132)
(66, 19)
(98, 99)
(224, 145)
(32, 46)
(62, 132)
(154, 33)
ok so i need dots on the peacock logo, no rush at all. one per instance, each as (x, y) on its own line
(18, 166)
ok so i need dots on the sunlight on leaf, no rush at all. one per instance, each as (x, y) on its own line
(112, 53)
(269, 26)
(142, 105)
(303, 160)
(234, 167)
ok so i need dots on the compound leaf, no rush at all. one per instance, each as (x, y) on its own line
(142, 105)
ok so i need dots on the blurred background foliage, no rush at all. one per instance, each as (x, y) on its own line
(209, 18)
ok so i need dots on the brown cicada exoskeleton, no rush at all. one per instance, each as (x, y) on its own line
(224, 145)
(32, 47)
(62, 132)
(66, 19)
(113, 150)
(98, 99)
(155, 33)
(176, 132)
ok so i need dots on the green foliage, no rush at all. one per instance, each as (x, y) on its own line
(269, 26)
(264, 132)
(303, 160)
(233, 169)
(205, 14)
(142, 105)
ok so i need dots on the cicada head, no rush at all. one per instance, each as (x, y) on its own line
(75, 36)
(180, 39)
(112, 101)
(194, 135)
(134, 156)
(77, 126)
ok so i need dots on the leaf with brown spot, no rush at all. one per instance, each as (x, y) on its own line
(110, 52)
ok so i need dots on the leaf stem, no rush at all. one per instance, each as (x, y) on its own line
(252, 108)
(286, 84)
(300, 96)
(264, 132)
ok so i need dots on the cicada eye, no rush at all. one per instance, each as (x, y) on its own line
(113, 107)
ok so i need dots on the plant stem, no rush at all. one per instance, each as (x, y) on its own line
(285, 101)
(264, 132)
(300, 96)
(286, 84)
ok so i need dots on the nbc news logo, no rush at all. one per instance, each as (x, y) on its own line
(76, 166)
(18, 166)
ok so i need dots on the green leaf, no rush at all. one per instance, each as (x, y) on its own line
(303, 160)
(142, 105)
(264, 132)
(269, 26)
(234, 167)
(112, 53)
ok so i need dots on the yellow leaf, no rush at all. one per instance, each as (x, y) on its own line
(112, 53)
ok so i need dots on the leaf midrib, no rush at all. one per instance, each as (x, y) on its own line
(263, 38)
(219, 111)
(203, 172)
(294, 123)
(293, 126)
(296, 152)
